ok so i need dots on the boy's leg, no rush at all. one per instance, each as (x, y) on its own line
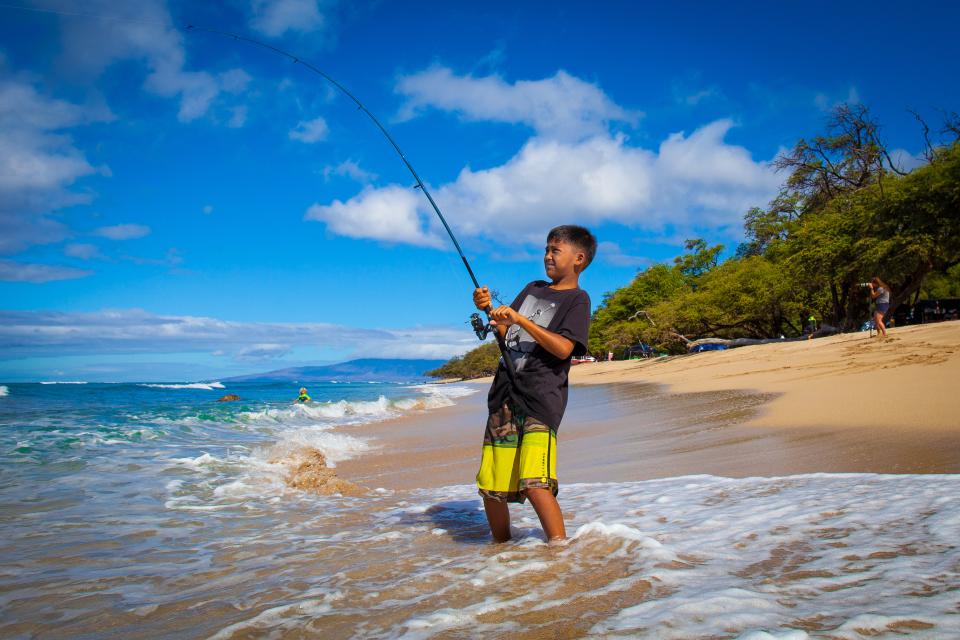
(498, 517)
(548, 510)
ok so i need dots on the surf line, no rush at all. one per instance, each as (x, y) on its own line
(479, 327)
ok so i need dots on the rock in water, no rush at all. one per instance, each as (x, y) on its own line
(307, 470)
(230, 397)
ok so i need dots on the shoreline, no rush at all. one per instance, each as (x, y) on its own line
(828, 405)
(843, 381)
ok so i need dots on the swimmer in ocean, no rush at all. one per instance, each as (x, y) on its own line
(303, 397)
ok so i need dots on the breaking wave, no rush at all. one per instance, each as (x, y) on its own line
(206, 386)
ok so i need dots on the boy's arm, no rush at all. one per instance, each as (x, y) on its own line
(556, 344)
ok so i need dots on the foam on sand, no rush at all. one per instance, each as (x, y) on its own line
(790, 558)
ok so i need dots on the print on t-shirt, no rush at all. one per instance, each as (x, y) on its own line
(520, 342)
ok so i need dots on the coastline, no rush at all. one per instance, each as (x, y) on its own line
(843, 381)
(840, 404)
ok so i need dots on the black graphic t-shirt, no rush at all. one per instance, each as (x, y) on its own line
(542, 377)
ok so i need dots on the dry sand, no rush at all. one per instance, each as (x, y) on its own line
(908, 380)
(846, 403)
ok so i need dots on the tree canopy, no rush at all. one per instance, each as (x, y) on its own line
(846, 212)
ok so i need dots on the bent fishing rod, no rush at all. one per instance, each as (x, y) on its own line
(479, 327)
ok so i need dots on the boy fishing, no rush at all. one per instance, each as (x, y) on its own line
(544, 327)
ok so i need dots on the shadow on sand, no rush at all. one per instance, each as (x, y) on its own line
(463, 520)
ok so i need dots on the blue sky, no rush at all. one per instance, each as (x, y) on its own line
(181, 206)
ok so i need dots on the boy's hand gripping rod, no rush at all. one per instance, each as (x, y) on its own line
(507, 361)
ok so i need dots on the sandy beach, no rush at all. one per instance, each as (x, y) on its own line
(847, 403)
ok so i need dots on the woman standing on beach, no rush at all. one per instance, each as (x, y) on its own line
(880, 292)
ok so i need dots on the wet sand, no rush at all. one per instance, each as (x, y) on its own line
(840, 404)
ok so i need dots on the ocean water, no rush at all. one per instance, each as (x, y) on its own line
(152, 511)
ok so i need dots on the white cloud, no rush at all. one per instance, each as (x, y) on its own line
(12, 271)
(612, 253)
(171, 258)
(47, 333)
(691, 181)
(276, 17)
(697, 97)
(310, 130)
(349, 169)
(389, 214)
(238, 117)
(123, 231)
(574, 168)
(38, 162)
(561, 106)
(208, 209)
(903, 160)
(263, 351)
(235, 80)
(691, 90)
(144, 30)
(826, 103)
(82, 251)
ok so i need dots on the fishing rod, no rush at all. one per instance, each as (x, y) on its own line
(479, 327)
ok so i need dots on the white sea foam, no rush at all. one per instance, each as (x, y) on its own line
(821, 555)
(206, 386)
(355, 411)
(295, 429)
(285, 617)
(63, 382)
(198, 462)
(446, 390)
(4, 391)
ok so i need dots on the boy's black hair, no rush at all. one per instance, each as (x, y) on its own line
(579, 237)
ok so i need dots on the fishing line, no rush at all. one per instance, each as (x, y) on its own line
(480, 328)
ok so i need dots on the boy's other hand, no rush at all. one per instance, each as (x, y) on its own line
(504, 316)
(481, 298)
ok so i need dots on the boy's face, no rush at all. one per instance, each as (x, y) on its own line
(561, 259)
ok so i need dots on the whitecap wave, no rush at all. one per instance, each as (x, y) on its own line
(446, 390)
(63, 382)
(4, 391)
(205, 386)
(354, 411)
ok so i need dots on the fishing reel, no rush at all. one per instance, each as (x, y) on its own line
(480, 328)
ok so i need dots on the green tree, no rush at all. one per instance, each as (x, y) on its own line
(476, 363)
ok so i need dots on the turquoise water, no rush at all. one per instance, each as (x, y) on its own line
(149, 512)
(44, 424)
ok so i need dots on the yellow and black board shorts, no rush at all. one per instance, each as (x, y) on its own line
(517, 455)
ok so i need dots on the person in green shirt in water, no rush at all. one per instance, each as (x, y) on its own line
(303, 397)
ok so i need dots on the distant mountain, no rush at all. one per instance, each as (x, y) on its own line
(363, 370)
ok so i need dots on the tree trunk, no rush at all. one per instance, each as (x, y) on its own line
(855, 304)
(911, 286)
(835, 298)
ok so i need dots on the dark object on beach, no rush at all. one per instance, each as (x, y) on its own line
(230, 397)
(716, 344)
(710, 346)
(640, 350)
